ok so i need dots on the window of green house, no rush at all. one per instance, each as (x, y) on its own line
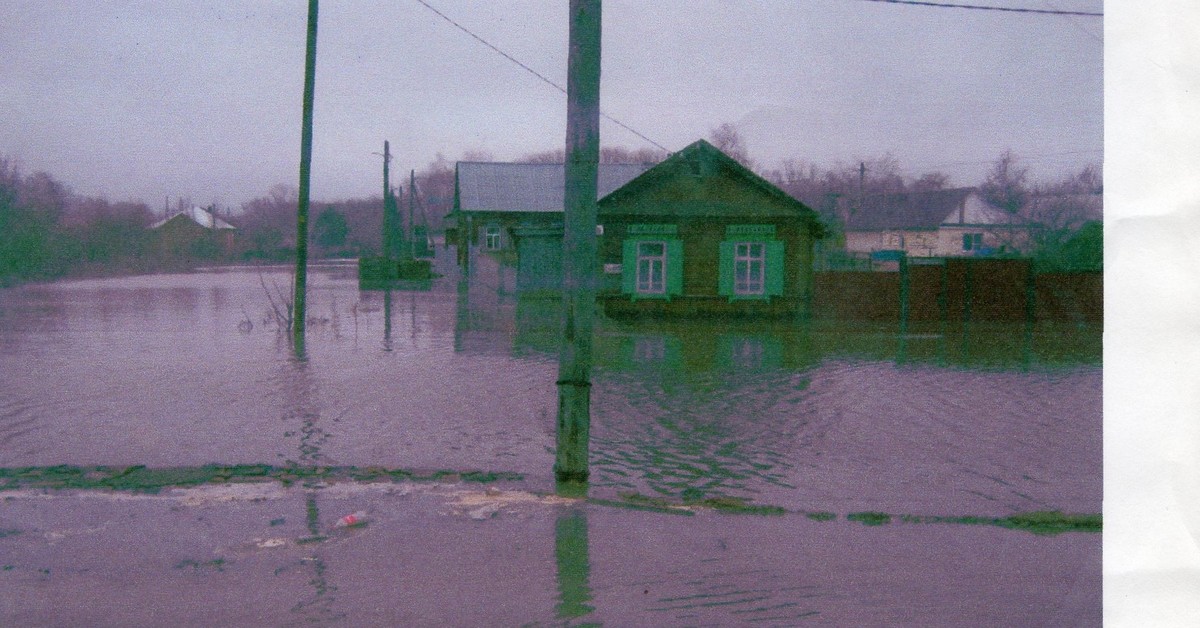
(491, 237)
(652, 262)
(751, 263)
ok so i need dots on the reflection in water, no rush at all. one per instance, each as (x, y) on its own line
(318, 606)
(712, 594)
(300, 394)
(951, 418)
(698, 436)
(154, 370)
(574, 568)
(387, 320)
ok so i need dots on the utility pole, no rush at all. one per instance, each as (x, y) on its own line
(412, 193)
(579, 241)
(310, 71)
(862, 176)
(389, 208)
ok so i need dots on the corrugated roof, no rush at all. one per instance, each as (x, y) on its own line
(519, 187)
(909, 210)
(197, 215)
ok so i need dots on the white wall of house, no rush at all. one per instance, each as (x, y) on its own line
(915, 243)
(947, 241)
(989, 228)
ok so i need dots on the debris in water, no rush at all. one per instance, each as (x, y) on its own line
(354, 520)
(487, 511)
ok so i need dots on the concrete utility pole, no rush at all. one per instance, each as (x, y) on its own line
(310, 71)
(389, 208)
(579, 241)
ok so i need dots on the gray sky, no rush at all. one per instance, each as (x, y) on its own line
(143, 100)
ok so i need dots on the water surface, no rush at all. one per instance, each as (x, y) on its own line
(190, 369)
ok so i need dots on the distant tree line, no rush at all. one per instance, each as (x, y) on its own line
(1067, 234)
(47, 231)
(346, 228)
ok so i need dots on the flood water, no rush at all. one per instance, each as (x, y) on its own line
(191, 369)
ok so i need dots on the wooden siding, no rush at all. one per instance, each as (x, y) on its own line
(701, 251)
(964, 289)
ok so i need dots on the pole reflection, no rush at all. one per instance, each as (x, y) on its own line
(574, 567)
(387, 320)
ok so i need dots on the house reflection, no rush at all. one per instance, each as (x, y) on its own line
(516, 325)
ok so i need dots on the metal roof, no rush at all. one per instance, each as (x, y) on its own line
(909, 210)
(199, 216)
(521, 187)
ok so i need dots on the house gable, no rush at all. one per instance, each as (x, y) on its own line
(702, 182)
(196, 216)
(977, 212)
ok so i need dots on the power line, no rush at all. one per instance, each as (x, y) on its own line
(1077, 25)
(978, 7)
(1032, 157)
(534, 72)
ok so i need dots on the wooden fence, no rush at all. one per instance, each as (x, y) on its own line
(960, 289)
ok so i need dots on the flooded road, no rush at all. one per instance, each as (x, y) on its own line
(190, 369)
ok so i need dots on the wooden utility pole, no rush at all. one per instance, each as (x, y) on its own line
(389, 208)
(310, 71)
(412, 193)
(579, 241)
(862, 176)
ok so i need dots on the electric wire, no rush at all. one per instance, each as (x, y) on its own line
(535, 72)
(979, 7)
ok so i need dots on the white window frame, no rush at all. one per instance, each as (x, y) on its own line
(749, 283)
(491, 237)
(648, 281)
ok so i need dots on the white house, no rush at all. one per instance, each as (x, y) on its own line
(943, 223)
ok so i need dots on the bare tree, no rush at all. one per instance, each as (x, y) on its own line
(930, 182)
(1059, 210)
(622, 155)
(727, 139)
(478, 154)
(1005, 185)
(556, 156)
(608, 155)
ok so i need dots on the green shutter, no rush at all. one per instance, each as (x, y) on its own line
(725, 270)
(629, 266)
(674, 267)
(774, 268)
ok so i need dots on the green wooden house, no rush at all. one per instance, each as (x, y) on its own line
(697, 234)
(700, 234)
(508, 220)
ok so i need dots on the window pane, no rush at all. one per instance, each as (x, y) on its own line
(647, 249)
(749, 267)
(651, 263)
